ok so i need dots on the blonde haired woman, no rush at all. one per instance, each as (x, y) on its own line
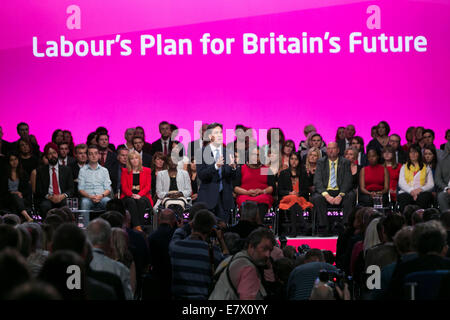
(310, 163)
(136, 186)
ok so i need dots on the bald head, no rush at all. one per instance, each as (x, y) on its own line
(332, 150)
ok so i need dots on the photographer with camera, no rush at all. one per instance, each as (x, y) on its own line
(331, 285)
(191, 276)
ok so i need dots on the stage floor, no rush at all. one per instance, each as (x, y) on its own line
(322, 243)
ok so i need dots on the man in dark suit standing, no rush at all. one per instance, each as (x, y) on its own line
(164, 144)
(216, 173)
(54, 183)
(116, 171)
(139, 132)
(346, 143)
(138, 144)
(333, 184)
(107, 156)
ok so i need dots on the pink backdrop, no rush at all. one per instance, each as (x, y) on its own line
(289, 91)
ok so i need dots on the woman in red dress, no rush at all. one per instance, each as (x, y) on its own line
(373, 181)
(393, 168)
(254, 183)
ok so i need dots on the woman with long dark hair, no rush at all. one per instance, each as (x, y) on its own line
(293, 192)
(416, 181)
(382, 138)
(28, 161)
(390, 163)
(16, 189)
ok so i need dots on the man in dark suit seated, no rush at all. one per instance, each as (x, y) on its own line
(344, 144)
(400, 154)
(333, 184)
(116, 171)
(54, 183)
(107, 156)
(430, 240)
(65, 159)
(216, 173)
(80, 161)
(138, 144)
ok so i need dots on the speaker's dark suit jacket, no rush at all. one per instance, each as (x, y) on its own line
(210, 181)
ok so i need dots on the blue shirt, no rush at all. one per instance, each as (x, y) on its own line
(94, 181)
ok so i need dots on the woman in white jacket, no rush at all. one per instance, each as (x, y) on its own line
(173, 187)
(415, 181)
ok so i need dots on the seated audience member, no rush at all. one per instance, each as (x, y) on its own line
(306, 131)
(34, 291)
(374, 132)
(54, 272)
(446, 146)
(13, 271)
(177, 155)
(430, 157)
(346, 142)
(382, 138)
(419, 136)
(81, 160)
(191, 278)
(287, 150)
(358, 144)
(37, 254)
(340, 134)
(68, 138)
(275, 144)
(99, 285)
(138, 144)
(116, 170)
(333, 183)
(107, 156)
(99, 235)
(410, 135)
(159, 163)
(302, 278)
(351, 155)
(309, 167)
(373, 181)
(249, 220)
(195, 147)
(416, 181)
(445, 220)
(274, 164)
(429, 240)
(136, 184)
(139, 132)
(173, 186)
(58, 137)
(428, 141)
(163, 144)
(393, 168)
(442, 181)
(94, 184)
(91, 139)
(54, 183)
(252, 183)
(27, 159)
(15, 189)
(24, 132)
(195, 181)
(65, 158)
(293, 191)
(417, 217)
(129, 135)
(158, 244)
(244, 269)
(314, 140)
(120, 252)
(104, 131)
(5, 146)
(385, 253)
(400, 154)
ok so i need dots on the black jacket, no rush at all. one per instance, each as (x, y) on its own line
(285, 184)
(343, 179)
(43, 181)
